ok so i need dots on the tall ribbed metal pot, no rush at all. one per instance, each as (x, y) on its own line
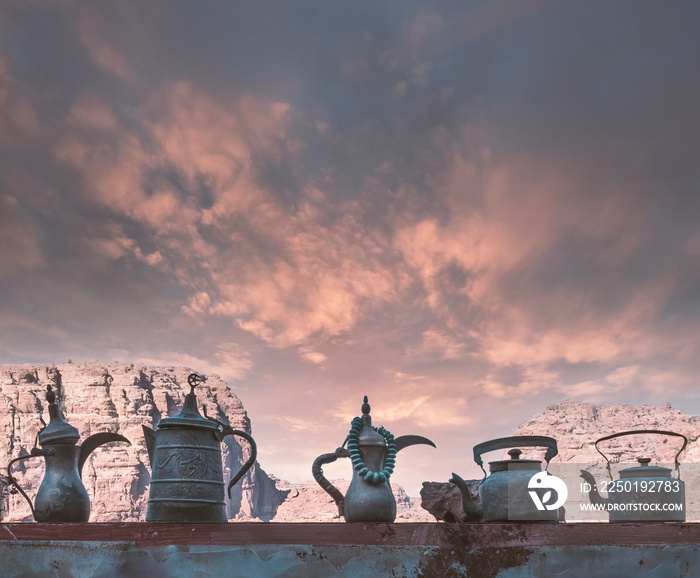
(187, 479)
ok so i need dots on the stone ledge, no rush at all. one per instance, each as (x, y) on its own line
(333, 534)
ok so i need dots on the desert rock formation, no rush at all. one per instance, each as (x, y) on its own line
(576, 426)
(115, 397)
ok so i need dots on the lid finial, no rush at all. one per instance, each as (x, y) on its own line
(58, 431)
(194, 380)
(365, 407)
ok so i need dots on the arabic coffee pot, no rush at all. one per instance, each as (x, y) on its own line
(373, 454)
(62, 496)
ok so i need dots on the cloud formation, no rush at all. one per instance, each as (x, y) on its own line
(462, 211)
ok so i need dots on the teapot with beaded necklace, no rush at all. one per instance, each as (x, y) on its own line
(373, 452)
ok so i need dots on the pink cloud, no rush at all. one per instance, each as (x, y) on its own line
(19, 242)
(101, 41)
(314, 279)
(93, 113)
(18, 119)
(229, 360)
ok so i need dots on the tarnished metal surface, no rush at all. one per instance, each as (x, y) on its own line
(373, 453)
(187, 479)
(505, 492)
(61, 497)
(628, 489)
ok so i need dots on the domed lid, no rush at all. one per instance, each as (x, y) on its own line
(368, 436)
(644, 470)
(189, 416)
(58, 431)
(514, 463)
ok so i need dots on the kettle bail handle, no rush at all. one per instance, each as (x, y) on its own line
(641, 431)
(317, 472)
(513, 441)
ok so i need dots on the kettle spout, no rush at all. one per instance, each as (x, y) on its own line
(150, 436)
(471, 510)
(593, 494)
(94, 442)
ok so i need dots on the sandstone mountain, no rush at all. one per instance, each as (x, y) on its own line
(115, 397)
(309, 503)
(576, 426)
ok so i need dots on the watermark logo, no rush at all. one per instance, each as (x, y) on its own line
(546, 481)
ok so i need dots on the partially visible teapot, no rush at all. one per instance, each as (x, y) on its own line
(61, 497)
(507, 494)
(373, 453)
(187, 479)
(644, 493)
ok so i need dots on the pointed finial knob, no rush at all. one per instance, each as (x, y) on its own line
(50, 395)
(365, 407)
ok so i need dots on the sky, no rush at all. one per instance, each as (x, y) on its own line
(465, 210)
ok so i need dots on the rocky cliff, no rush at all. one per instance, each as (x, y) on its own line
(576, 426)
(114, 397)
(97, 397)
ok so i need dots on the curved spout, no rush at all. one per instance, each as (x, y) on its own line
(94, 442)
(405, 441)
(593, 494)
(472, 511)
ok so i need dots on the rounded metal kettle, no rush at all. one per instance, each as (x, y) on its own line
(373, 453)
(61, 497)
(187, 479)
(644, 493)
(507, 494)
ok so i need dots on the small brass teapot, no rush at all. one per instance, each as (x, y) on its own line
(644, 493)
(61, 497)
(187, 481)
(507, 494)
(373, 453)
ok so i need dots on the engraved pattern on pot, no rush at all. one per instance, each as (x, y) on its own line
(187, 463)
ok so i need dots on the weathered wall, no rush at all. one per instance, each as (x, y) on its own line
(357, 550)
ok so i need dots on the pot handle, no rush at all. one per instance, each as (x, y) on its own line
(228, 431)
(641, 431)
(36, 453)
(515, 441)
(317, 471)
